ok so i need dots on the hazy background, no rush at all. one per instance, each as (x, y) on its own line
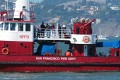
(37, 0)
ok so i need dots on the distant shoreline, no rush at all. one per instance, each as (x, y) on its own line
(37, 0)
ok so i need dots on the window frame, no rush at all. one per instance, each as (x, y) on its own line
(20, 27)
(1, 27)
(14, 27)
(6, 28)
(27, 27)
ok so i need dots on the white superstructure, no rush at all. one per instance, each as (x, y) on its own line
(19, 27)
(22, 9)
(11, 31)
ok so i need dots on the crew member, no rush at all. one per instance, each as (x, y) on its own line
(42, 29)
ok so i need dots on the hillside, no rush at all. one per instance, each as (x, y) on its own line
(106, 13)
(65, 10)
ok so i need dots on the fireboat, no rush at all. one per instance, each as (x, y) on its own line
(18, 35)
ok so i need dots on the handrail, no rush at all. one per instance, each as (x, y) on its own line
(8, 15)
(53, 33)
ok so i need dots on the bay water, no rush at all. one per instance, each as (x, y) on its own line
(61, 76)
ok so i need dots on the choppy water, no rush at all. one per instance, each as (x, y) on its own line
(61, 76)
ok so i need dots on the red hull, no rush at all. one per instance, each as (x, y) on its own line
(72, 64)
(17, 47)
(24, 68)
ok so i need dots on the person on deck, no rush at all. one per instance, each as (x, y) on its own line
(59, 30)
(48, 31)
(42, 29)
(64, 30)
(53, 26)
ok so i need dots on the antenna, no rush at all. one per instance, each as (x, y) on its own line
(6, 5)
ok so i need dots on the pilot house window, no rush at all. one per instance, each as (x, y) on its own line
(6, 27)
(27, 27)
(20, 27)
(12, 26)
(1, 26)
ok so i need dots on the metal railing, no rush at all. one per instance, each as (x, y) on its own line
(9, 15)
(53, 33)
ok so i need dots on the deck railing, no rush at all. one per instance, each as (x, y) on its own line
(53, 33)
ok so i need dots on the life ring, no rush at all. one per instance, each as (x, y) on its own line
(86, 39)
(5, 51)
